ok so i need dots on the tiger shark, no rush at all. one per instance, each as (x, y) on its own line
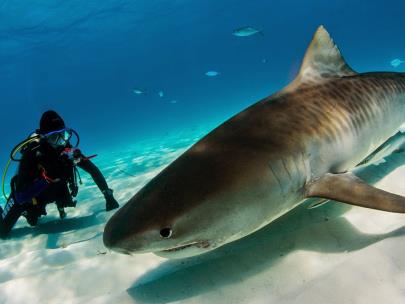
(298, 143)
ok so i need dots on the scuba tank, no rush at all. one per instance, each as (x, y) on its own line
(20, 147)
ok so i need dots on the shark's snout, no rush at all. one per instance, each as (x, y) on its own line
(120, 233)
(129, 233)
(112, 238)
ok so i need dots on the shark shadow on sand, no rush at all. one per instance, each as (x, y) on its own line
(320, 229)
(55, 228)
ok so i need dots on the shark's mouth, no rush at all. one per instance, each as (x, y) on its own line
(200, 244)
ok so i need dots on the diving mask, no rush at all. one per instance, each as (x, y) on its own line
(59, 138)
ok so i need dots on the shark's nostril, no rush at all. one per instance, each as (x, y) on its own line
(166, 232)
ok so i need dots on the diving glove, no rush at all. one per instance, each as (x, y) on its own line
(110, 201)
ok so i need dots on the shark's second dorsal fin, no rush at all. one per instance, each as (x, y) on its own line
(322, 60)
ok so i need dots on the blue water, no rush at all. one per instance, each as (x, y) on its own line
(84, 58)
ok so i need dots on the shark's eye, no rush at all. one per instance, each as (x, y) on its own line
(166, 233)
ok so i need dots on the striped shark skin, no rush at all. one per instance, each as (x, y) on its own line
(298, 143)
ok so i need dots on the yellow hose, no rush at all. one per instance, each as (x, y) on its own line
(3, 179)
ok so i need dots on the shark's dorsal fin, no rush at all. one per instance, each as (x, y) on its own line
(322, 60)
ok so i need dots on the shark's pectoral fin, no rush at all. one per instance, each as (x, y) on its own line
(350, 189)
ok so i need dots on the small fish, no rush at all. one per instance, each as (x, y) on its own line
(173, 101)
(264, 60)
(161, 94)
(397, 62)
(246, 31)
(138, 91)
(212, 73)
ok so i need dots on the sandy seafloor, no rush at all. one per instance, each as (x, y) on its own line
(331, 254)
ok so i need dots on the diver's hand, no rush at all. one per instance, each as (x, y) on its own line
(110, 202)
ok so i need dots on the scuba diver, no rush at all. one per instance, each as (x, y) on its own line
(47, 173)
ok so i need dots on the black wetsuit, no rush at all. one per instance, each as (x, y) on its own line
(53, 173)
